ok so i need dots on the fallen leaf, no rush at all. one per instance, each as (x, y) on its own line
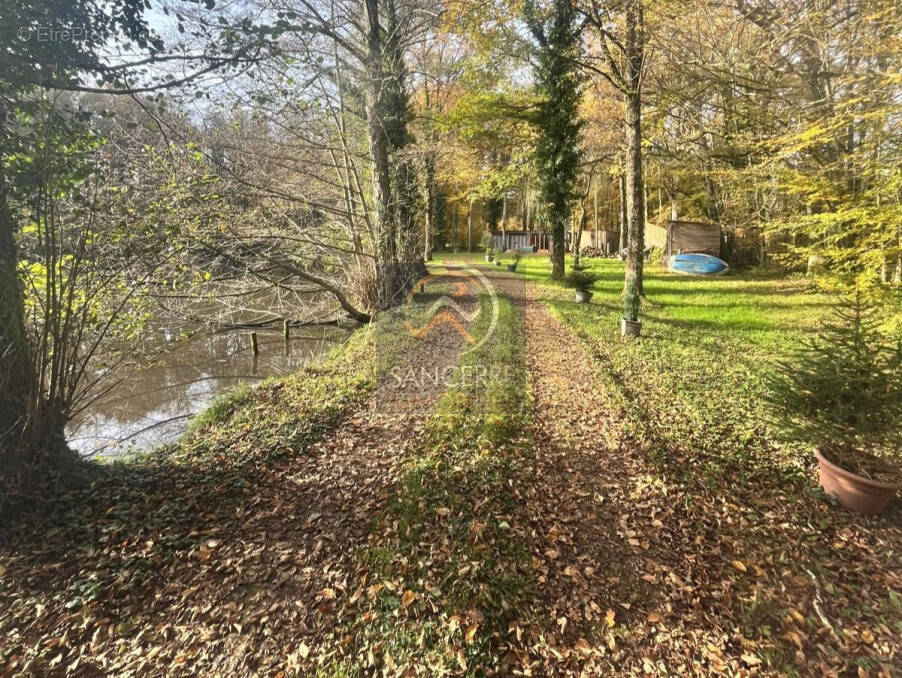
(408, 597)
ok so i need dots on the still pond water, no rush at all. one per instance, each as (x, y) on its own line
(151, 402)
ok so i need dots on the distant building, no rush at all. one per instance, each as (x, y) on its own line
(677, 237)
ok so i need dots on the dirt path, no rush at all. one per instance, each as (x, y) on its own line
(596, 570)
(641, 575)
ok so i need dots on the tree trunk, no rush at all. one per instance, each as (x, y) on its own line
(383, 218)
(470, 228)
(504, 223)
(15, 374)
(597, 243)
(429, 220)
(578, 236)
(623, 226)
(632, 284)
(558, 247)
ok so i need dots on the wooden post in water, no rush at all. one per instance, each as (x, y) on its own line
(255, 348)
(286, 331)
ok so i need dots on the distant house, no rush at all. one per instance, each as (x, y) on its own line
(514, 240)
(684, 236)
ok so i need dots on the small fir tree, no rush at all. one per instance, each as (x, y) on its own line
(842, 390)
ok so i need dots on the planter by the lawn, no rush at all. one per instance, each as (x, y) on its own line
(582, 296)
(512, 267)
(851, 490)
(488, 257)
(630, 328)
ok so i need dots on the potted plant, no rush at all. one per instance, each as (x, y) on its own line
(513, 267)
(630, 325)
(498, 258)
(841, 392)
(580, 281)
(489, 253)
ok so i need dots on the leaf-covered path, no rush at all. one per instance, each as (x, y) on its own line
(588, 553)
(370, 517)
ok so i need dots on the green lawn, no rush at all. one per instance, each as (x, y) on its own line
(696, 378)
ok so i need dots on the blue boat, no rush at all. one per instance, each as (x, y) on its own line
(697, 264)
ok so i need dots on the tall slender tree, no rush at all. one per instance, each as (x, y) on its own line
(622, 53)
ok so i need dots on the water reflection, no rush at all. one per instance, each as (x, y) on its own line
(153, 402)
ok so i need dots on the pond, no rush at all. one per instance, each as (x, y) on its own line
(150, 402)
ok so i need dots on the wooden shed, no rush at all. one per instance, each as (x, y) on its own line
(691, 236)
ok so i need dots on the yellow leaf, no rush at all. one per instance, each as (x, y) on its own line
(461, 660)
(471, 632)
(408, 597)
(739, 565)
(750, 659)
(609, 617)
(653, 617)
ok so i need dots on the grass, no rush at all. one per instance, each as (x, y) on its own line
(691, 399)
(696, 379)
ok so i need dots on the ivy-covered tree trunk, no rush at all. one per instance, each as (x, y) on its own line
(632, 284)
(557, 118)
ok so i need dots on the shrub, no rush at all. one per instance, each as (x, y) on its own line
(842, 391)
(579, 280)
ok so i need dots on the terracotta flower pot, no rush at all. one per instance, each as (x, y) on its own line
(630, 328)
(582, 296)
(851, 490)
